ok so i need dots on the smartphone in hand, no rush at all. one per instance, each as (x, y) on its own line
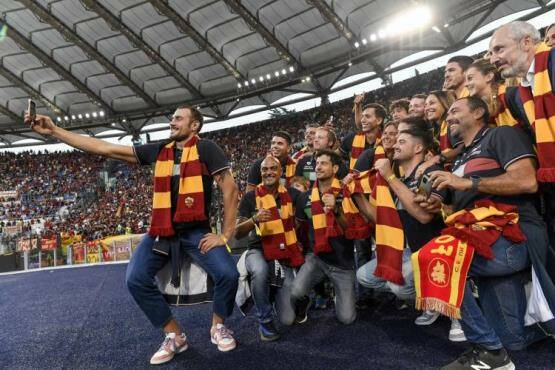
(425, 186)
(32, 110)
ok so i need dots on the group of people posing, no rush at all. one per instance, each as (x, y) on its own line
(445, 199)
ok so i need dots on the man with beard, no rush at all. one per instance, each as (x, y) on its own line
(185, 168)
(417, 105)
(517, 51)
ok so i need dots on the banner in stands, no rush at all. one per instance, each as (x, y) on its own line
(26, 244)
(92, 252)
(78, 252)
(11, 230)
(48, 244)
(8, 194)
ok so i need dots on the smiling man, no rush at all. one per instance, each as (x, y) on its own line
(185, 168)
(266, 215)
(454, 74)
(354, 143)
(280, 146)
(498, 165)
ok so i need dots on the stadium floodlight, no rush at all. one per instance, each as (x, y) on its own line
(101, 113)
(239, 85)
(94, 114)
(373, 37)
(350, 63)
(409, 20)
(382, 34)
(364, 42)
(80, 116)
(58, 119)
(357, 45)
(291, 69)
(446, 25)
(307, 78)
(66, 118)
(87, 115)
(73, 116)
(253, 81)
(261, 79)
(123, 120)
(246, 83)
(435, 28)
(113, 124)
(268, 76)
(276, 73)
(283, 71)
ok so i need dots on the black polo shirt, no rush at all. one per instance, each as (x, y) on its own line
(365, 161)
(212, 159)
(343, 248)
(255, 177)
(306, 167)
(416, 233)
(489, 155)
(247, 209)
(347, 144)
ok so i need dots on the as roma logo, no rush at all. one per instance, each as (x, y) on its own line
(439, 272)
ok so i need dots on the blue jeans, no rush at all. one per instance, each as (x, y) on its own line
(257, 266)
(365, 276)
(313, 271)
(500, 322)
(144, 265)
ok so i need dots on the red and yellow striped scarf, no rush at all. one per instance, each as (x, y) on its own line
(325, 225)
(503, 116)
(279, 240)
(444, 143)
(539, 105)
(359, 143)
(441, 266)
(190, 202)
(390, 237)
(290, 165)
(300, 153)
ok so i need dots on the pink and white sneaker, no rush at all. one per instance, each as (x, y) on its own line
(221, 336)
(172, 345)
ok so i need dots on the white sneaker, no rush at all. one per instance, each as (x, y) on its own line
(221, 336)
(427, 318)
(171, 346)
(456, 334)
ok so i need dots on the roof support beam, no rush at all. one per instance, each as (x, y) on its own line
(34, 94)
(166, 10)
(254, 23)
(7, 112)
(116, 23)
(343, 29)
(29, 47)
(71, 35)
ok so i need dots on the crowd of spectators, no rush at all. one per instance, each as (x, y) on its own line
(65, 191)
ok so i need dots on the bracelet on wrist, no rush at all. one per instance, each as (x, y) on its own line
(390, 178)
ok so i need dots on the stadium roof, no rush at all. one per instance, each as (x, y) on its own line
(123, 64)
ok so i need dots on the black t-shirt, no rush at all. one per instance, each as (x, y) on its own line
(255, 177)
(343, 248)
(247, 209)
(365, 161)
(489, 155)
(416, 233)
(306, 167)
(347, 144)
(212, 160)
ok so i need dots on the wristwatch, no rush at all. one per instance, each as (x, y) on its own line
(475, 182)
